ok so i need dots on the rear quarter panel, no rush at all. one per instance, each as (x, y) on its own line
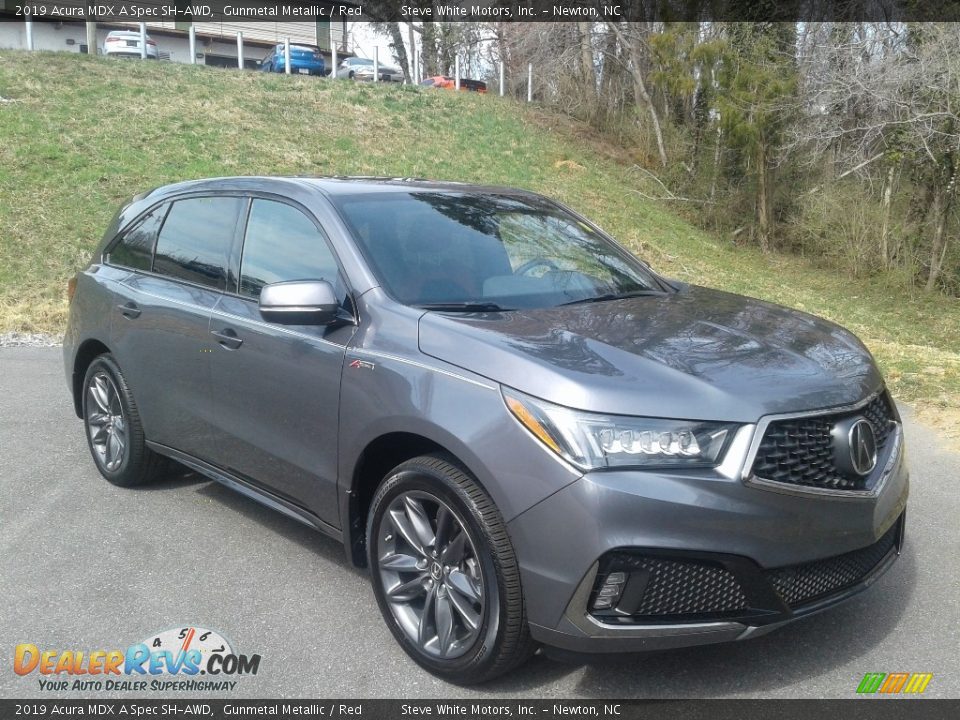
(91, 313)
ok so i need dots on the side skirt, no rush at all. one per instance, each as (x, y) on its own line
(244, 487)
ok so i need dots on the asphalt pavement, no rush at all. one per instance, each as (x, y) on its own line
(86, 566)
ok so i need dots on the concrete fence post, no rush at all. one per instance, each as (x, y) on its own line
(456, 73)
(29, 24)
(92, 38)
(333, 60)
(143, 41)
(501, 80)
(240, 50)
(376, 63)
(193, 44)
(286, 56)
(529, 82)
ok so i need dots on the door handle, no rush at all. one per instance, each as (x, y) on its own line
(130, 310)
(227, 338)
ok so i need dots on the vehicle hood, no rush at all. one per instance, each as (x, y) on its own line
(695, 354)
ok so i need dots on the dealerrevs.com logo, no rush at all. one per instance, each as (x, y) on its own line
(169, 661)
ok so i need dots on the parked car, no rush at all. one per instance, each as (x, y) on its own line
(357, 68)
(126, 43)
(304, 60)
(449, 83)
(527, 435)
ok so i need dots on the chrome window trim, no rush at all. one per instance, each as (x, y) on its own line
(893, 454)
(311, 338)
(222, 313)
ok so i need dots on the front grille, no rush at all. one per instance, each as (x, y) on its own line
(804, 583)
(799, 451)
(673, 588)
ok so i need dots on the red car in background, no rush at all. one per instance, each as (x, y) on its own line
(448, 83)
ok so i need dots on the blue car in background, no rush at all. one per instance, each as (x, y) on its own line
(304, 60)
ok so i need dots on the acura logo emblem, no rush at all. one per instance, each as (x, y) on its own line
(863, 447)
(854, 447)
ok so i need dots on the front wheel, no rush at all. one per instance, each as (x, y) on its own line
(445, 573)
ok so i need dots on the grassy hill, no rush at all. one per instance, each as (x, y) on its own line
(80, 134)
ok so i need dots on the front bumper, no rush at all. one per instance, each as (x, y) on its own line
(384, 77)
(705, 558)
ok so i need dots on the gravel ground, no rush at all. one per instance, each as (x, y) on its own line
(25, 339)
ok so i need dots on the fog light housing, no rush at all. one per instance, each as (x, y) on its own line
(609, 594)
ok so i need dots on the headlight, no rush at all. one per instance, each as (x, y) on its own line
(592, 441)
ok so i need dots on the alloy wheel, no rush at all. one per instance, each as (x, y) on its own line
(106, 424)
(431, 574)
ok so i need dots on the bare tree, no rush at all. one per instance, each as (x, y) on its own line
(892, 90)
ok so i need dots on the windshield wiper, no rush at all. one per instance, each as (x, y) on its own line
(614, 296)
(464, 307)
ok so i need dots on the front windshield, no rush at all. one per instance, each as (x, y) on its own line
(445, 249)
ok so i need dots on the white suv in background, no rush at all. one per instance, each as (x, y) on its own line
(126, 43)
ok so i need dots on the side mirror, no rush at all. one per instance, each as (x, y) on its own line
(299, 302)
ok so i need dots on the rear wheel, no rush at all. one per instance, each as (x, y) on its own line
(114, 432)
(445, 573)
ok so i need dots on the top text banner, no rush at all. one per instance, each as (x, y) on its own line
(485, 10)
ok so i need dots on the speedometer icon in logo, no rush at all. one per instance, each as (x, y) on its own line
(184, 639)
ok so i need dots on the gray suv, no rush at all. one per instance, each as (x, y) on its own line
(528, 436)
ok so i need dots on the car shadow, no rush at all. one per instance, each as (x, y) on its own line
(276, 522)
(174, 479)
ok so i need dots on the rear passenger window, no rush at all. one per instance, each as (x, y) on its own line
(195, 239)
(283, 244)
(135, 249)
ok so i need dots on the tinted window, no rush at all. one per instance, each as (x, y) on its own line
(455, 248)
(135, 249)
(195, 239)
(283, 244)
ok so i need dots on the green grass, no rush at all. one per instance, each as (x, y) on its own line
(81, 134)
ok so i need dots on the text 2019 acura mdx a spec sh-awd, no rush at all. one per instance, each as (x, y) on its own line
(528, 436)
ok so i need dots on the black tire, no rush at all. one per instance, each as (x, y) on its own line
(138, 464)
(500, 640)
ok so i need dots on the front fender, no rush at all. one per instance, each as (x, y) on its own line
(463, 413)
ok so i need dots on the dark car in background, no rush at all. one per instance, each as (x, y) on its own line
(304, 60)
(527, 435)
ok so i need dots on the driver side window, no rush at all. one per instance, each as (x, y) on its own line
(281, 244)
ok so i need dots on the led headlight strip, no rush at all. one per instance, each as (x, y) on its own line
(593, 441)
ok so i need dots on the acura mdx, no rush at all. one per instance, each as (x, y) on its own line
(527, 435)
